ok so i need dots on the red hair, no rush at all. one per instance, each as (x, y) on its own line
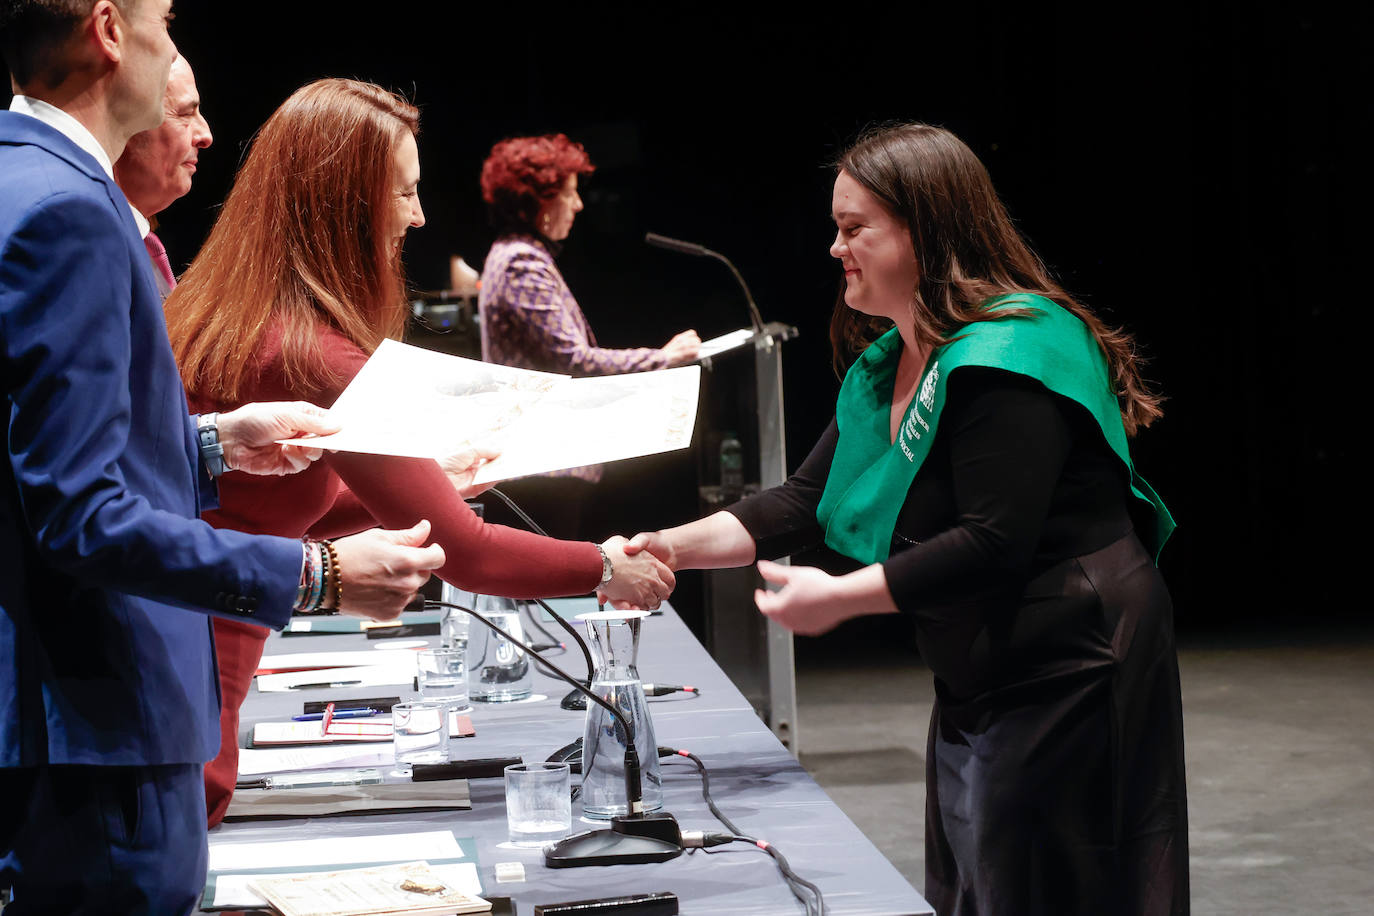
(300, 242)
(523, 172)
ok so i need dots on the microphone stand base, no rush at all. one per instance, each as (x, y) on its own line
(606, 847)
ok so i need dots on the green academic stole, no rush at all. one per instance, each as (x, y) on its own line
(870, 475)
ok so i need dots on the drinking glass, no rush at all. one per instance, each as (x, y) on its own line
(538, 803)
(421, 732)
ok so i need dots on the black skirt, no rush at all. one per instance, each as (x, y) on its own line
(1054, 767)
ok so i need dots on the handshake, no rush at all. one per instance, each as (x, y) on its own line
(642, 572)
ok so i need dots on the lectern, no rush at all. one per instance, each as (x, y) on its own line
(744, 397)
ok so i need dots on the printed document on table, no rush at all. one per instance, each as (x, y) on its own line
(393, 890)
(261, 761)
(417, 403)
(232, 891)
(333, 852)
(305, 661)
(391, 672)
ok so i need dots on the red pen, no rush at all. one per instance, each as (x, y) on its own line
(328, 715)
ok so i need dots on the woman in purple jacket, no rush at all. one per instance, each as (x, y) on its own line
(529, 316)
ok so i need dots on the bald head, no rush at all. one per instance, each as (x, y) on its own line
(157, 165)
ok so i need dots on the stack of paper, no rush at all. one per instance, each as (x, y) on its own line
(235, 865)
(413, 889)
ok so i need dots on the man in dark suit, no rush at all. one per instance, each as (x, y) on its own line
(157, 165)
(108, 692)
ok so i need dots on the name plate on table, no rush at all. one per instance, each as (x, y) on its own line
(324, 801)
(304, 734)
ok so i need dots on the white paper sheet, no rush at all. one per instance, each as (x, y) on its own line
(414, 402)
(332, 852)
(300, 661)
(717, 345)
(342, 732)
(259, 761)
(393, 672)
(233, 892)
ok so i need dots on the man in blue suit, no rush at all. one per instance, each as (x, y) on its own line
(108, 691)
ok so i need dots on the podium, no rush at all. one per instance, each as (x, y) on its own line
(745, 396)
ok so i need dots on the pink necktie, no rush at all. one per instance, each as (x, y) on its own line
(158, 254)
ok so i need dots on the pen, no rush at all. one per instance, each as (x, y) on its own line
(326, 684)
(338, 714)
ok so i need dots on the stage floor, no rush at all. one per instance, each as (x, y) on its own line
(1279, 729)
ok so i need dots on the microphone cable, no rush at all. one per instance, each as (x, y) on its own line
(558, 618)
(795, 882)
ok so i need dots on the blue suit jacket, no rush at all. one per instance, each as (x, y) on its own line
(106, 573)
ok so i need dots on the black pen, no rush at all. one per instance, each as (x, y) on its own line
(326, 684)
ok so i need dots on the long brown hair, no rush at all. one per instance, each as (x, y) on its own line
(301, 240)
(968, 252)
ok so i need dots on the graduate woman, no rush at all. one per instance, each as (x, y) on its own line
(978, 471)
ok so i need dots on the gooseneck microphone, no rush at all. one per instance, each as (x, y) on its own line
(632, 838)
(681, 247)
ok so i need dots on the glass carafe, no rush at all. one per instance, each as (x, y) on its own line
(614, 640)
(498, 671)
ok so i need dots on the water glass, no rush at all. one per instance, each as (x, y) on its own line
(421, 732)
(538, 803)
(443, 677)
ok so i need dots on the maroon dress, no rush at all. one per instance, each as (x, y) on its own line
(345, 493)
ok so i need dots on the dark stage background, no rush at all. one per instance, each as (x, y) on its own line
(1187, 173)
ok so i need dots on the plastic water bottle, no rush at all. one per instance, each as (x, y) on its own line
(731, 468)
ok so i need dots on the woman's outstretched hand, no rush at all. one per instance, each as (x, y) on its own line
(811, 602)
(639, 580)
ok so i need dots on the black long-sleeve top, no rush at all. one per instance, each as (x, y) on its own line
(1017, 479)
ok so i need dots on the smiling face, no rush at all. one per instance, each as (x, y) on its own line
(405, 211)
(874, 247)
(557, 213)
(157, 165)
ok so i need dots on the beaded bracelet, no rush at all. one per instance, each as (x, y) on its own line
(324, 574)
(335, 575)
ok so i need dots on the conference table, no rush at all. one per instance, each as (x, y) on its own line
(754, 781)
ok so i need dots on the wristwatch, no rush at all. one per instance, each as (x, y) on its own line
(211, 451)
(607, 570)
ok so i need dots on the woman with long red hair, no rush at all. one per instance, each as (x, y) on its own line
(299, 281)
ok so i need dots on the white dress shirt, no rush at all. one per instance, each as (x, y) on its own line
(76, 132)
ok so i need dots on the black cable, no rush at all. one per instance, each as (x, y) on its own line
(510, 503)
(572, 630)
(735, 835)
(705, 788)
(795, 882)
(528, 608)
(558, 618)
